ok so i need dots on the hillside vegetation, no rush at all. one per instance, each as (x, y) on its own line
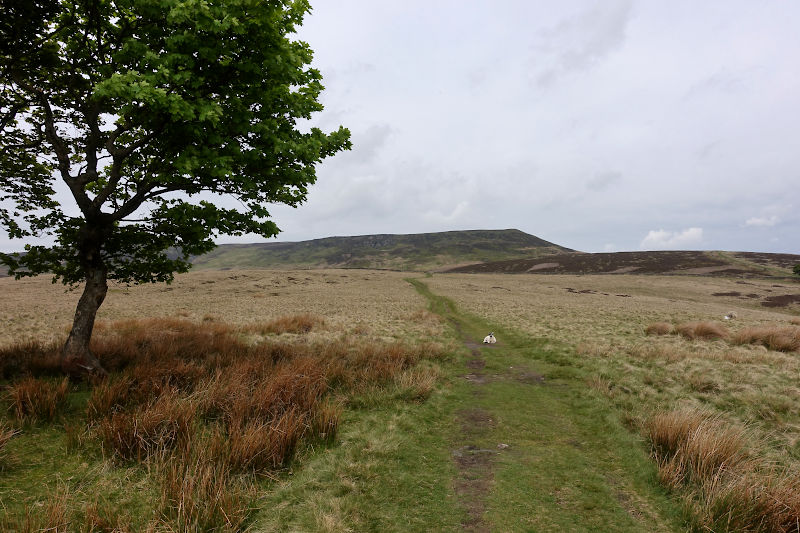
(423, 251)
(748, 264)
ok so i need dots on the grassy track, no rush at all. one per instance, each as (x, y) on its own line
(570, 464)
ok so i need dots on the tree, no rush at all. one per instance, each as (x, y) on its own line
(796, 269)
(145, 110)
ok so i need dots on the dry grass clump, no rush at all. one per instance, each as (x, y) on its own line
(692, 445)
(260, 447)
(298, 324)
(198, 494)
(207, 410)
(659, 328)
(795, 321)
(31, 357)
(601, 384)
(781, 339)
(417, 383)
(726, 489)
(702, 330)
(325, 423)
(150, 429)
(37, 399)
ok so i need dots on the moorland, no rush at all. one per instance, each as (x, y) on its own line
(363, 400)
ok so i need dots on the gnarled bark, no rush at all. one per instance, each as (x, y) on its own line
(77, 359)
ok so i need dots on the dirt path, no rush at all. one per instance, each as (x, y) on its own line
(475, 464)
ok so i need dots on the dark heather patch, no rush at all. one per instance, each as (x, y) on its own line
(783, 300)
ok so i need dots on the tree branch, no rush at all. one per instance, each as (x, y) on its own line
(119, 156)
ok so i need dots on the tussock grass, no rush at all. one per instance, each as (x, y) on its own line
(725, 487)
(659, 328)
(325, 424)
(205, 408)
(147, 430)
(30, 357)
(198, 494)
(693, 445)
(778, 338)
(298, 324)
(260, 447)
(601, 384)
(417, 383)
(702, 330)
(35, 399)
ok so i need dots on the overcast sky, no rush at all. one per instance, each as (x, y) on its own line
(598, 125)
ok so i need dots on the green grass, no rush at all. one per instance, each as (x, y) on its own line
(390, 471)
(43, 461)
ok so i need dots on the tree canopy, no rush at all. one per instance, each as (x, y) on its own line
(140, 105)
(146, 111)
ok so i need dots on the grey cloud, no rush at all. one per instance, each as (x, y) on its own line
(582, 40)
(603, 181)
(723, 81)
(368, 143)
(707, 150)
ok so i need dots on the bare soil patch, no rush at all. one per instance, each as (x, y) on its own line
(528, 377)
(475, 465)
(473, 483)
(474, 420)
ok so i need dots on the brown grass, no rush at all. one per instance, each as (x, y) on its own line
(795, 321)
(31, 357)
(702, 330)
(198, 494)
(51, 517)
(693, 445)
(6, 434)
(149, 429)
(205, 403)
(263, 447)
(298, 324)
(727, 489)
(37, 399)
(325, 423)
(778, 338)
(659, 328)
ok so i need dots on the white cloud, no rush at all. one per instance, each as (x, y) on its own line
(762, 222)
(663, 240)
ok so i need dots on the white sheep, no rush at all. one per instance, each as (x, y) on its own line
(730, 316)
(489, 339)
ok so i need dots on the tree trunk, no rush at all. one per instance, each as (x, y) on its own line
(76, 358)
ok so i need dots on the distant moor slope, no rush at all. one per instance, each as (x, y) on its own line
(661, 262)
(421, 251)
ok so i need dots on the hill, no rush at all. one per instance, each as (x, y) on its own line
(666, 262)
(421, 251)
